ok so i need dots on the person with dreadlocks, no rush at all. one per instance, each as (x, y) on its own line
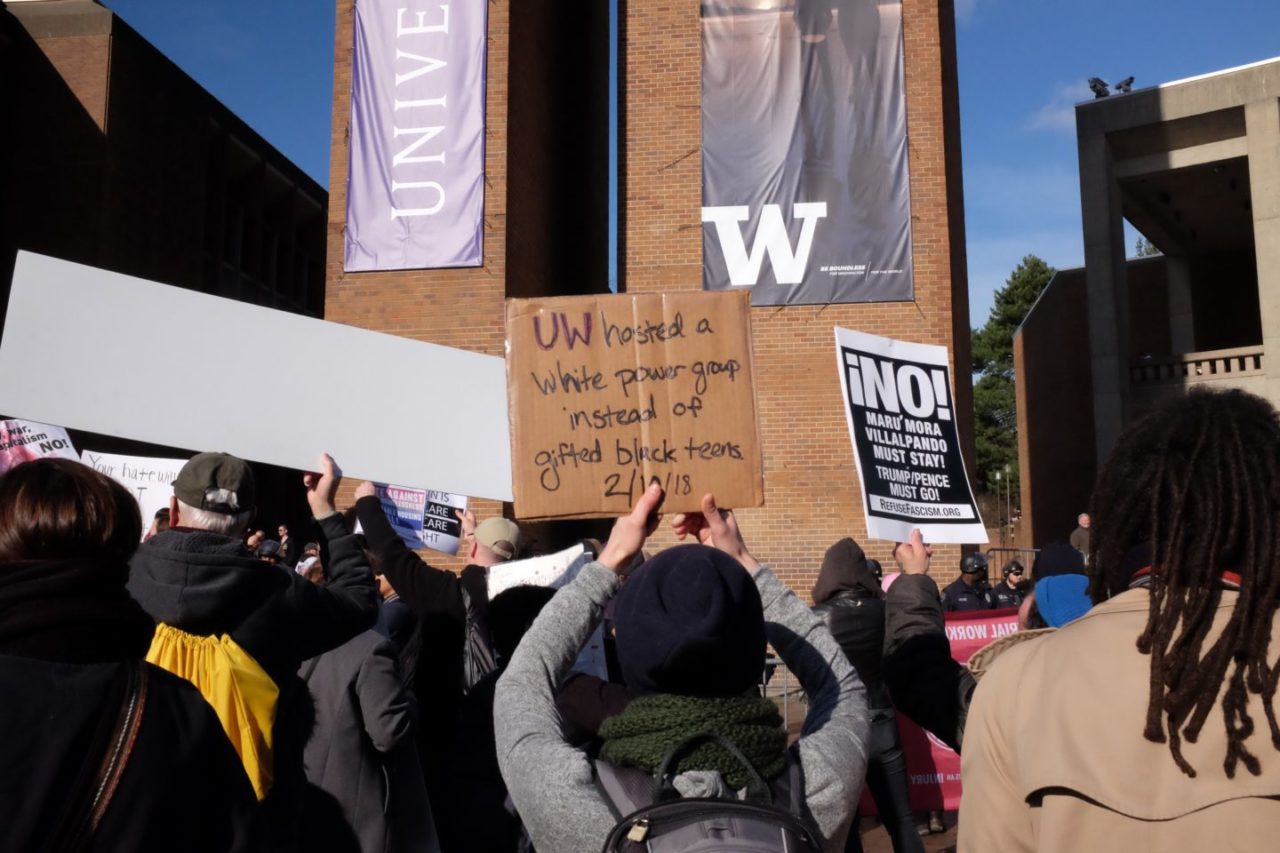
(1149, 723)
(692, 624)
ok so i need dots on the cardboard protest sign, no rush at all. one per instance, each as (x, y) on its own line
(22, 441)
(148, 479)
(420, 517)
(901, 418)
(107, 324)
(554, 570)
(611, 392)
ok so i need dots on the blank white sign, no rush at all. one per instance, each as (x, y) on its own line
(117, 355)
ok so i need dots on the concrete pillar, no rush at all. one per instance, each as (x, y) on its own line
(1182, 325)
(1104, 261)
(1262, 124)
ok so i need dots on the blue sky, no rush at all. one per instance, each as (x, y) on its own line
(1023, 64)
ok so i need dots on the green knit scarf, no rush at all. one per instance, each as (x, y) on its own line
(643, 734)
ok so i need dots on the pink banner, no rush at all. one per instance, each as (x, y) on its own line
(933, 768)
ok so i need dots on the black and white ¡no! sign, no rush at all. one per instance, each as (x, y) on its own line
(901, 419)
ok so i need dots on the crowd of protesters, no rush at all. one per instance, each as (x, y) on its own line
(216, 690)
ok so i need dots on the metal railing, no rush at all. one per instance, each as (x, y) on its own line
(1208, 366)
(775, 683)
(997, 557)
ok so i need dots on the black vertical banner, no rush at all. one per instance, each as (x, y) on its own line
(805, 188)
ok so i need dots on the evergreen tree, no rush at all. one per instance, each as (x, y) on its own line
(1144, 248)
(995, 414)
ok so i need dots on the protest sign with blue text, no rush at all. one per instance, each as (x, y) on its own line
(421, 517)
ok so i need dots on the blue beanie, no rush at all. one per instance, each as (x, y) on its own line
(1062, 598)
(690, 622)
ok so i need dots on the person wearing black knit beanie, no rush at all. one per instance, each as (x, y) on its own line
(692, 624)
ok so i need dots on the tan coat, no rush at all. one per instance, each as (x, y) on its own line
(1054, 758)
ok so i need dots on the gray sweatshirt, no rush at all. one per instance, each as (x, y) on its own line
(551, 782)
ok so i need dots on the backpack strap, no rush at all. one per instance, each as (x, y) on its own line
(127, 726)
(664, 788)
(788, 787)
(626, 790)
(77, 828)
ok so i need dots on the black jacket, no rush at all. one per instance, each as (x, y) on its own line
(208, 585)
(924, 681)
(1003, 596)
(368, 793)
(481, 818)
(396, 623)
(290, 551)
(183, 787)
(438, 599)
(858, 626)
(848, 598)
(960, 597)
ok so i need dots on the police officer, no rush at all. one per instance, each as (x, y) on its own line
(969, 591)
(1007, 593)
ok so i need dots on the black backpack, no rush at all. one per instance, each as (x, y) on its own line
(654, 817)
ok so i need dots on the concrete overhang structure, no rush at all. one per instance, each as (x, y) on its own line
(1194, 165)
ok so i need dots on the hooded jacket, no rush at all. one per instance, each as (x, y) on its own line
(848, 598)
(207, 584)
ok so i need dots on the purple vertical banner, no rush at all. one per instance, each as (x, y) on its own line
(415, 183)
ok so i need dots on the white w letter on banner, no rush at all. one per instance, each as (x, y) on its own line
(771, 239)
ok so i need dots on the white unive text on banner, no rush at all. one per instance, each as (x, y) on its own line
(415, 185)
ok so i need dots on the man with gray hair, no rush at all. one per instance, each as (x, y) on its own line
(1080, 537)
(200, 578)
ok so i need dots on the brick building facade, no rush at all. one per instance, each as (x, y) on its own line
(811, 493)
(112, 156)
(124, 162)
